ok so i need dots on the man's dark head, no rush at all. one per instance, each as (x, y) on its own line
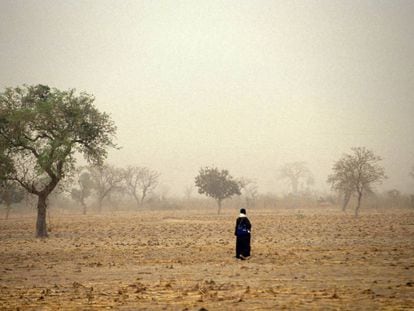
(243, 211)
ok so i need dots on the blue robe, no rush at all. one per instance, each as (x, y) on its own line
(243, 242)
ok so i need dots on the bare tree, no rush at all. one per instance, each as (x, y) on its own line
(249, 190)
(394, 197)
(341, 182)
(84, 189)
(295, 173)
(106, 179)
(356, 173)
(10, 193)
(140, 181)
(347, 194)
(310, 182)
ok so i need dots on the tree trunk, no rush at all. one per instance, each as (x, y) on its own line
(359, 204)
(8, 208)
(219, 207)
(7, 198)
(84, 207)
(41, 228)
(144, 194)
(347, 197)
(137, 200)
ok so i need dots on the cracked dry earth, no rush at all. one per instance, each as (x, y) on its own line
(176, 260)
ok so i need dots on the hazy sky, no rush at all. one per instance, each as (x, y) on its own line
(243, 85)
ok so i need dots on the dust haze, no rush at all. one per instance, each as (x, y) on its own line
(244, 86)
(267, 95)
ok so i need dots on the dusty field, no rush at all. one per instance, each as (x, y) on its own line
(178, 261)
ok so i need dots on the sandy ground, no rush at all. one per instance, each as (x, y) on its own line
(185, 261)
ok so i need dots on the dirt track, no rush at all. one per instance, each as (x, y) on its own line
(176, 261)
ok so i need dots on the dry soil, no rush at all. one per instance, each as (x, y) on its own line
(181, 260)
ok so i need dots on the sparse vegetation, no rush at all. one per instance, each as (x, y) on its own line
(140, 182)
(218, 184)
(297, 174)
(10, 193)
(106, 179)
(272, 94)
(249, 190)
(356, 173)
(84, 188)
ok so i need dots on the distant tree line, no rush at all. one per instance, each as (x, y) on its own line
(103, 181)
(42, 129)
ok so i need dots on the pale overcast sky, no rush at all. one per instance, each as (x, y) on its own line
(243, 85)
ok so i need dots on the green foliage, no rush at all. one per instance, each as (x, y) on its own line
(42, 128)
(216, 184)
(6, 164)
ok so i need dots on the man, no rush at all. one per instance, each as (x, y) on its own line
(242, 232)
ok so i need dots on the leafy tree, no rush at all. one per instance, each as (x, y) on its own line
(357, 173)
(41, 130)
(10, 193)
(84, 190)
(217, 184)
(341, 182)
(295, 173)
(105, 179)
(140, 181)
